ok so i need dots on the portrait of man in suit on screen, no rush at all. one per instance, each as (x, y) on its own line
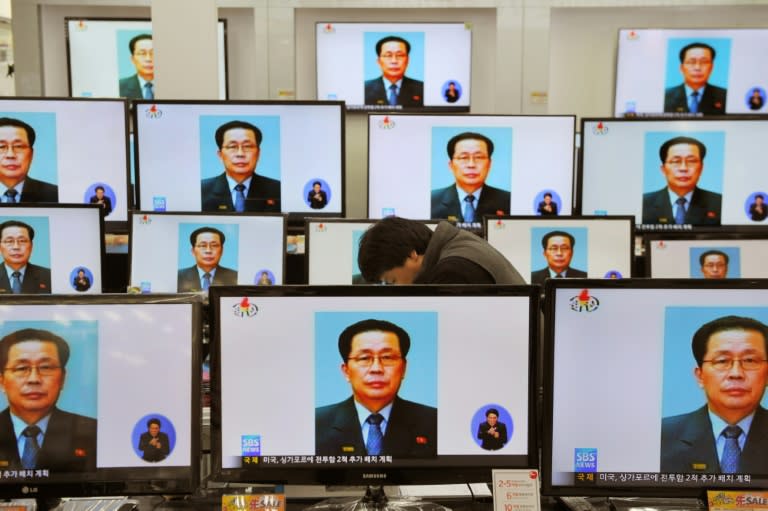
(393, 87)
(696, 94)
(558, 251)
(18, 275)
(682, 201)
(375, 420)
(729, 433)
(17, 140)
(469, 197)
(140, 84)
(239, 188)
(207, 249)
(34, 431)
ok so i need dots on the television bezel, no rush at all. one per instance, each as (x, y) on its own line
(292, 217)
(550, 288)
(127, 480)
(579, 177)
(366, 109)
(223, 214)
(53, 207)
(67, 19)
(334, 475)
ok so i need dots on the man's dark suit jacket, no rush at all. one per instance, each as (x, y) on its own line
(687, 444)
(539, 276)
(711, 103)
(189, 279)
(39, 191)
(704, 208)
(445, 203)
(490, 442)
(152, 453)
(130, 87)
(263, 194)
(411, 92)
(411, 431)
(69, 443)
(107, 204)
(37, 280)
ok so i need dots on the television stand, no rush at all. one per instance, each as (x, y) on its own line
(376, 500)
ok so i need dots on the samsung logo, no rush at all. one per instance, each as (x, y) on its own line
(374, 476)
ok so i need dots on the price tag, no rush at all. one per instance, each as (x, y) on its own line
(516, 490)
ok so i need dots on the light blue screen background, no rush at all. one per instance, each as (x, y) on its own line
(41, 245)
(720, 66)
(734, 261)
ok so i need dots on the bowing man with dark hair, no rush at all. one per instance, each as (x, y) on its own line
(34, 432)
(239, 188)
(375, 420)
(17, 140)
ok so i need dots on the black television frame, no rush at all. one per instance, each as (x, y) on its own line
(292, 217)
(67, 19)
(548, 370)
(328, 474)
(128, 480)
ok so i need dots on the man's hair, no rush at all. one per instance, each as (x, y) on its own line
(388, 243)
(391, 38)
(154, 420)
(548, 195)
(726, 323)
(664, 149)
(17, 223)
(491, 411)
(136, 39)
(201, 230)
(99, 188)
(33, 334)
(696, 45)
(759, 196)
(704, 255)
(550, 234)
(16, 123)
(468, 135)
(368, 325)
(219, 135)
(317, 183)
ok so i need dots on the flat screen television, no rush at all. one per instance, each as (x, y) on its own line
(112, 57)
(125, 420)
(659, 69)
(436, 430)
(180, 162)
(172, 252)
(416, 161)
(56, 249)
(642, 166)
(429, 65)
(628, 410)
(331, 248)
(48, 136)
(541, 247)
(733, 255)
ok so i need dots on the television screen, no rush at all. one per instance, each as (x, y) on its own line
(173, 252)
(115, 58)
(46, 164)
(331, 248)
(57, 249)
(675, 174)
(643, 395)
(345, 341)
(428, 166)
(193, 156)
(691, 71)
(573, 247)
(125, 420)
(736, 255)
(395, 66)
